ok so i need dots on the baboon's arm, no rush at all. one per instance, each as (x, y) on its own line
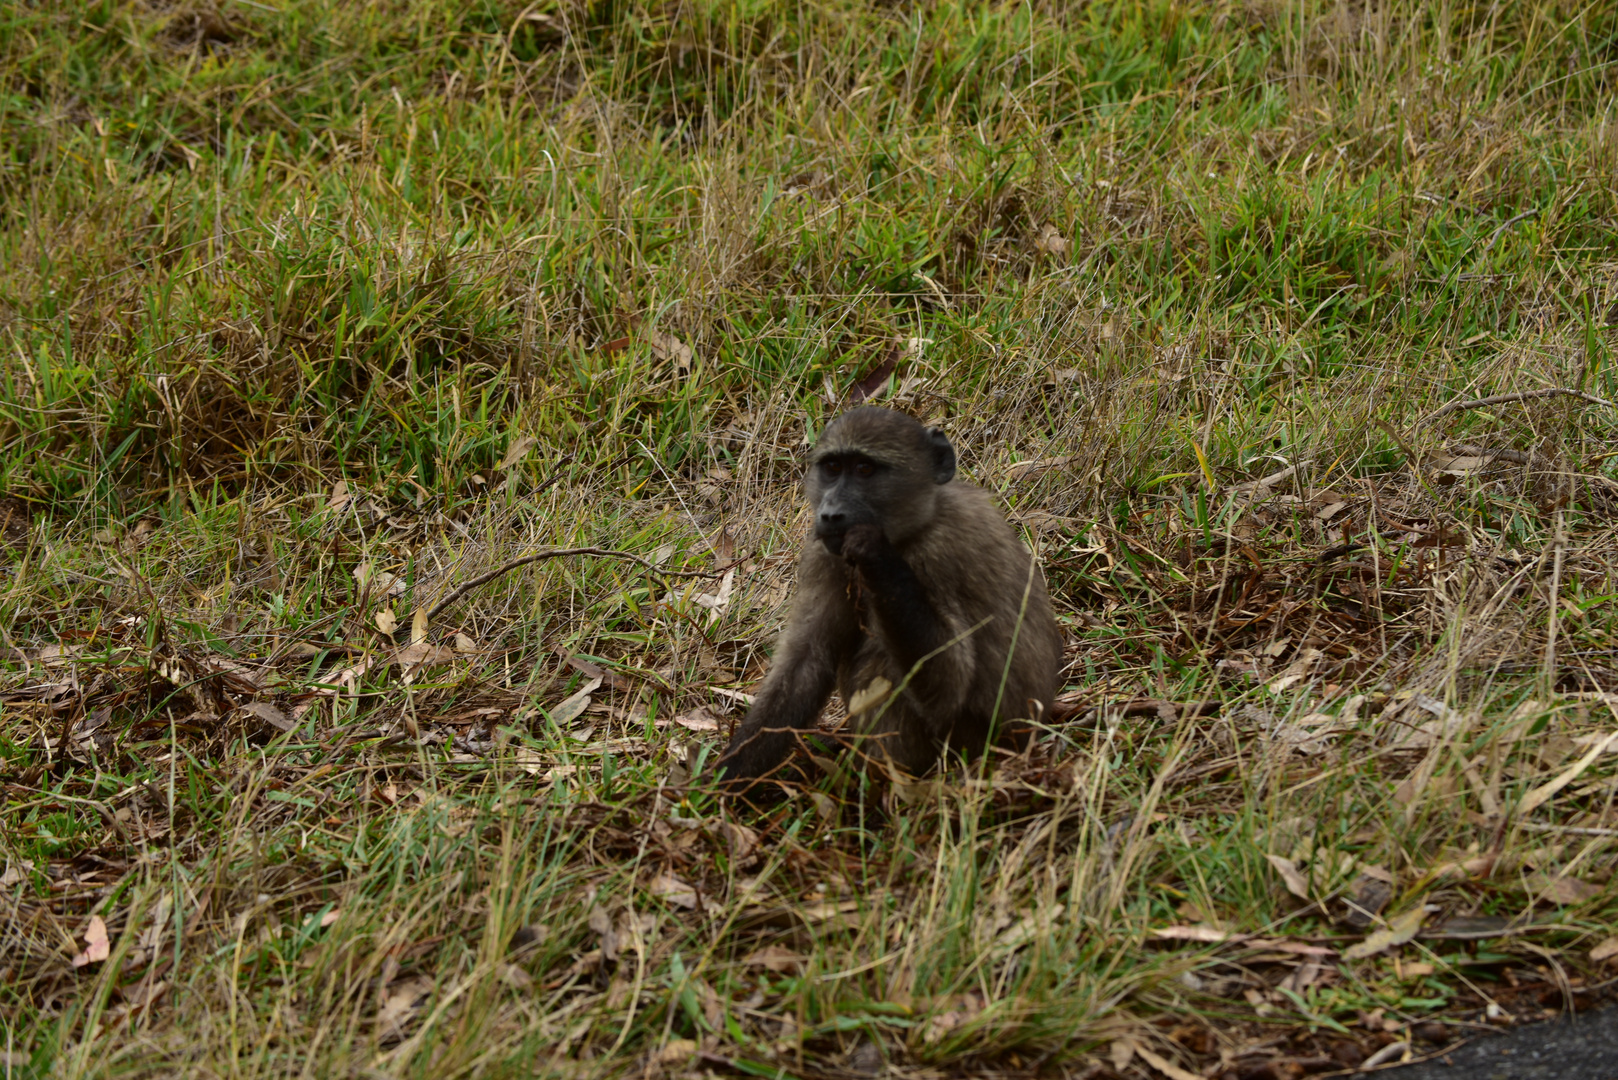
(822, 633)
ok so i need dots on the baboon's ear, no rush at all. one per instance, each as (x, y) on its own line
(943, 456)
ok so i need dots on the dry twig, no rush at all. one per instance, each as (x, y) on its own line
(556, 553)
(1517, 456)
(1525, 395)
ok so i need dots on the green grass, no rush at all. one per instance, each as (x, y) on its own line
(1132, 256)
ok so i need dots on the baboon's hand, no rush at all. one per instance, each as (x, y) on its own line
(864, 545)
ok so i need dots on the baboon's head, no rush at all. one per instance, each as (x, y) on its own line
(879, 467)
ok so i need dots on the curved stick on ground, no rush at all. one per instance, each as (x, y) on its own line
(1525, 395)
(555, 553)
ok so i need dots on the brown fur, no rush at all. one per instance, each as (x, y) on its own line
(921, 559)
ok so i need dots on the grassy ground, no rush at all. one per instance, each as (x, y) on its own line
(313, 311)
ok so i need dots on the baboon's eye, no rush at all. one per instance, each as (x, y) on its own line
(864, 468)
(831, 467)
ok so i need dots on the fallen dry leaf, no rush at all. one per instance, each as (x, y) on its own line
(1545, 792)
(960, 1010)
(776, 958)
(1400, 929)
(1050, 240)
(515, 977)
(1207, 934)
(1031, 927)
(601, 922)
(571, 707)
(1591, 740)
(270, 715)
(1459, 465)
(96, 946)
(400, 1007)
(671, 889)
(385, 621)
(1121, 1053)
(867, 696)
(875, 383)
(529, 760)
(1297, 948)
(1392, 1051)
(1410, 788)
(1447, 724)
(1296, 883)
(1564, 890)
(743, 841)
(668, 347)
(1302, 977)
(717, 602)
(1301, 668)
(676, 1052)
(700, 718)
(1329, 511)
(1164, 1066)
(379, 583)
(1606, 950)
(1298, 739)
(838, 914)
(422, 654)
(143, 993)
(516, 452)
(56, 656)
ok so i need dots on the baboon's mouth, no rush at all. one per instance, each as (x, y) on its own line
(832, 538)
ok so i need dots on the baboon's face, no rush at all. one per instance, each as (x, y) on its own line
(846, 490)
(876, 467)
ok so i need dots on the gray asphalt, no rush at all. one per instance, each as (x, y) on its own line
(1578, 1048)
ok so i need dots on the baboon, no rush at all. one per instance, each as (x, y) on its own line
(915, 599)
